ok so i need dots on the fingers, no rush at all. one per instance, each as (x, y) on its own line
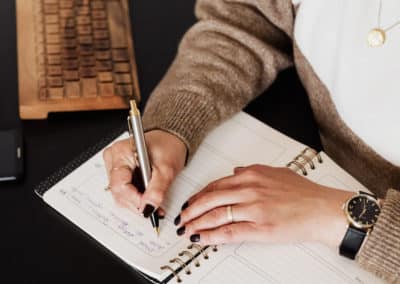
(231, 233)
(161, 180)
(217, 217)
(214, 199)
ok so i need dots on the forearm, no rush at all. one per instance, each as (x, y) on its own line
(230, 56)
(381, 251)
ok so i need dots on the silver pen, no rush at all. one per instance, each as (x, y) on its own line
(136, 130)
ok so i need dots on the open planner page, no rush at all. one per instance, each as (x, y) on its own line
(253, 263)
(81, 196)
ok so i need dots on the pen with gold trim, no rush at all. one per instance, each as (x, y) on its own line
(136, 130)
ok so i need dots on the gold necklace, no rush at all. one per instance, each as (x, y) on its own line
(377, 36)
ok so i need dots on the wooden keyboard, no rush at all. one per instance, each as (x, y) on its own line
(74, 55)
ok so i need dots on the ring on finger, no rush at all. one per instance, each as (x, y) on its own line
(229, 213)
(121, 168)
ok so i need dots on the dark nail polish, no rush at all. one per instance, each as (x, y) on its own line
(148, 210)
(195, 238)
(185, 205)
(161, 217)
(180, 231)
(177, 220)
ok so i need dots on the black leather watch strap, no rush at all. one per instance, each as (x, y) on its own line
(352, 242)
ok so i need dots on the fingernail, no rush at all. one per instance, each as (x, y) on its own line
(148, 210)
(177, 220)
(195, 238)
(180, 231)
(185, 205)
(161, 217)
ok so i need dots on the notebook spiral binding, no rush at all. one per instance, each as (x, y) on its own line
(185, 259)
(306, 157)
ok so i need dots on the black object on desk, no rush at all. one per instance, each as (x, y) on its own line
(11, 162)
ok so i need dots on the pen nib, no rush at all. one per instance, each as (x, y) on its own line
(158, 231)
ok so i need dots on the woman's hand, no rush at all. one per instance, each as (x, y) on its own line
(268, 205)
(167, 155)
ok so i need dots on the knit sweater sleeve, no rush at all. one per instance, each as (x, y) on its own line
(231, 55)
(381, 252)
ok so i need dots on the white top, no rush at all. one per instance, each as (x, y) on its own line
(364, 82)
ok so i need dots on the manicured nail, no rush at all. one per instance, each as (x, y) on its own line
(180, 231)
(177, 220)
(185, 205)
(195, 238)
(161, 217)
(148, 210)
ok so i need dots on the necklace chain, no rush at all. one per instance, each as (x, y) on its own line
(379, 19)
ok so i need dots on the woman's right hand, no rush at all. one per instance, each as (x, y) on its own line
(167, 154)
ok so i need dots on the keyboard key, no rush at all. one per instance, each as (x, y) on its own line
(105, 77)
(89, 87)
(101, 44)
(103, 55)
(116, 24)
(52, 29)
(56, 93)
(96, 5)
(102, 65)
(106, 89)
(69, 33)
(51, 19)
(53, 49)
(65, 4)
(50, 9)
(70, 53)
(55, 81)
(43, 94)
(100, 25)
(83, 20)
(88, 61)
(72, 89)
(54, 59)
(67, 13)
(53, 39)
(84, 30)
(123, 78)
(71, 75)
(71, 64)
(86, 40)
(54, 70)
(124, 90)
(120, 55)
(98, 15)
(122, 68)
(83, 11)
(87, 72)
(67, 23)
(100, 34)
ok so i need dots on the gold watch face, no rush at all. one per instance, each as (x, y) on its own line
(363, 211)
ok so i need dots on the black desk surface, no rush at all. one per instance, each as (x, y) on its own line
(39, 246)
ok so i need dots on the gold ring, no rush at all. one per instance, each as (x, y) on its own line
(229, 213)
(121, 168)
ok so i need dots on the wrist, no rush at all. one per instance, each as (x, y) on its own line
(335, 224)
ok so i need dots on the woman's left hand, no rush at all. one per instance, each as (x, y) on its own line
(268, 205)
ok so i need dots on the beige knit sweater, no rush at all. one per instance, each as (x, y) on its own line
(230, 57)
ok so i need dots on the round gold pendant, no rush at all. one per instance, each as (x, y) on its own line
(376, 37)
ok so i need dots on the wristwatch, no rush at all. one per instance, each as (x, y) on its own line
(362, 211)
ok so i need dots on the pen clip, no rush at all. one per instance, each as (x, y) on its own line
(132, 139)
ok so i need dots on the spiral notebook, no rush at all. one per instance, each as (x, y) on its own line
(77, 192)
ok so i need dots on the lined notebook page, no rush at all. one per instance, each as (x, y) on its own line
(297, 263)
(81, 197)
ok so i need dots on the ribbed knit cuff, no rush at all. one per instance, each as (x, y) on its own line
(186, 115)
(381, 251)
